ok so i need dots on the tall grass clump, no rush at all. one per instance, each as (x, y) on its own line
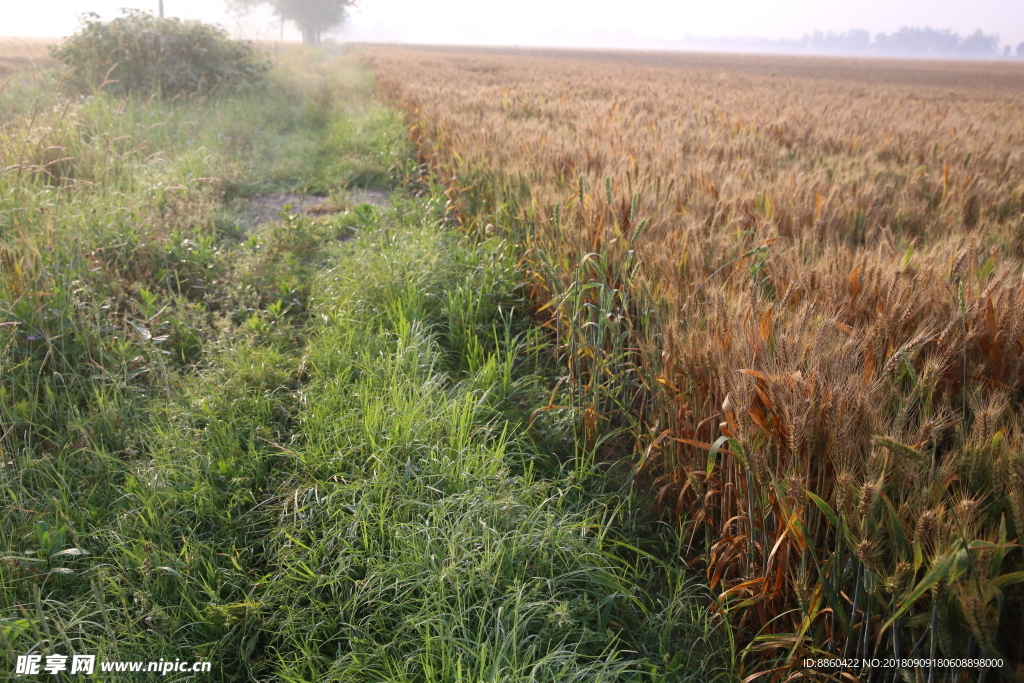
(141, 54)
(799, 323)
(425, 537)
(128, 269)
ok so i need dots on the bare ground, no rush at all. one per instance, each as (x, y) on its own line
(268, 207)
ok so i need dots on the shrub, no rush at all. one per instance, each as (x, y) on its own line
(141, 54)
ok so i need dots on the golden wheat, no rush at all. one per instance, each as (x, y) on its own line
(822, 352)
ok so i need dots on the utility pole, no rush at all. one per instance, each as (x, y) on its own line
(161, 9)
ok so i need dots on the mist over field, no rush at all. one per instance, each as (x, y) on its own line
(793, 26)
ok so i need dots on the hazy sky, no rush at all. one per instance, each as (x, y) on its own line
(548, 21)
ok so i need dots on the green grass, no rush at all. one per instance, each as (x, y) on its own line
(307, 451)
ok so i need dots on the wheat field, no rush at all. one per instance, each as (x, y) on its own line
(24, 53)
(788, 291)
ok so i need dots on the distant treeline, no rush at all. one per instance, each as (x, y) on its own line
(909, 40)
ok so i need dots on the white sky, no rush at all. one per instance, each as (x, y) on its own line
(527, 22)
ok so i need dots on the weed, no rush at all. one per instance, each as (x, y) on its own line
(143, 55)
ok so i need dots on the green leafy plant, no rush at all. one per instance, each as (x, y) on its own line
(141, 54)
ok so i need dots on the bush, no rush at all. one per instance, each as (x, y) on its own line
(141, 54)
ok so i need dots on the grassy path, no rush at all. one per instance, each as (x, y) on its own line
(299, 451)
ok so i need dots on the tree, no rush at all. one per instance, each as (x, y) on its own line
(927, 41)
(854, 41)
(979, 45)
(1020, 50)
(313, 17)
(912, 40)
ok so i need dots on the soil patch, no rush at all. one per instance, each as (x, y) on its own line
(374, 197)
(269, 207)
